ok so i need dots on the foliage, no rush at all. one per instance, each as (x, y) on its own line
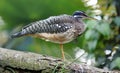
(100, 36)
(110, 43)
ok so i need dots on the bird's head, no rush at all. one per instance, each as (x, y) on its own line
(81, 14)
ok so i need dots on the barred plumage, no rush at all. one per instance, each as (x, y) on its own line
(54, 24)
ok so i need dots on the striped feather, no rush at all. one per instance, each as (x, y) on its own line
(54, 24)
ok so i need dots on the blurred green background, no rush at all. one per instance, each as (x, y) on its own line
(98, 46)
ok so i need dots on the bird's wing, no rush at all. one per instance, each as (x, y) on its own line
(54, 24)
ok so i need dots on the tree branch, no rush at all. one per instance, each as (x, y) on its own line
(27, 62)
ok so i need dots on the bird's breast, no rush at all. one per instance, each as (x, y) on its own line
(60, 38)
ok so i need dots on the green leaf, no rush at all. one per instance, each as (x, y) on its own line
(91, 24)
(103, 28)
(92, 44)
(117, 21)
(115, 63)
(91, 35)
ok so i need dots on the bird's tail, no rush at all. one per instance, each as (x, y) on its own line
(18, 34)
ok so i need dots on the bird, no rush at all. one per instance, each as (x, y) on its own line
(59, 29)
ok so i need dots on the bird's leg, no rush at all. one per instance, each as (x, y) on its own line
(62, 52)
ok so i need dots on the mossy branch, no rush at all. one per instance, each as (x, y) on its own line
(12, 61)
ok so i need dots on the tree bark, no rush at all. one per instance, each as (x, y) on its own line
(12, 61)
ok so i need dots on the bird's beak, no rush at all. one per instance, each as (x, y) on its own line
(88, 17)
(92, 18)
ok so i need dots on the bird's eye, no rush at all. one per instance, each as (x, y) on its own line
(79, 14)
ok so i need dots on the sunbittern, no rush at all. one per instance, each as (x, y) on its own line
(58, 29)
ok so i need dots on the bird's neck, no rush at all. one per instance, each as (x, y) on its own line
(78, 19)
